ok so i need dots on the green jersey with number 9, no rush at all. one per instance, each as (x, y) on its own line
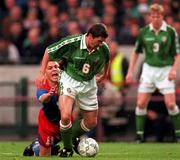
(78, 63)
(161, 47)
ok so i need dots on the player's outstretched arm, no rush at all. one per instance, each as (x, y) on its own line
(133, 60)
(41, 75)
(45, 98)
(100, 77)
(173, 71)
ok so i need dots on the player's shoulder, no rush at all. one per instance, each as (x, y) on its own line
(105, 50)
(44, 86)
(171, 29)
(144, 29)
(105, 47)
(72, 38)
(65, 41)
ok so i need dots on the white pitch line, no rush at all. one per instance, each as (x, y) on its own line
(6, 153)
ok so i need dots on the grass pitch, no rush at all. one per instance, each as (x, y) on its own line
(108, 151)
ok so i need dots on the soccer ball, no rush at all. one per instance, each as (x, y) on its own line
(88, 147)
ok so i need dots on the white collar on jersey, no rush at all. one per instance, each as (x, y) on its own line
(163, 26)
(83, 42)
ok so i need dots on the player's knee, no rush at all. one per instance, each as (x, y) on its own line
(66, 119)
(91, 123)
(141, 104)
(170, 105)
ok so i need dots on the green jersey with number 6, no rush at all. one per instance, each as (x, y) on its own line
(78, 63)
(160, 48)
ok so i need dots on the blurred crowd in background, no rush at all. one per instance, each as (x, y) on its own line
(29, 26)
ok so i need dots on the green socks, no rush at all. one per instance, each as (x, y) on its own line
(66, 135)
(77, 130)
(140, 121)
(176, 122)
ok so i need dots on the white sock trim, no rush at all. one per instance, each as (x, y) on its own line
(140, 132)
(177, 131)
(83, 126)
(140, 112)
(65, 127)
(174, 112)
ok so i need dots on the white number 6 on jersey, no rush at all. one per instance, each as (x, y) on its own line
(86, 68)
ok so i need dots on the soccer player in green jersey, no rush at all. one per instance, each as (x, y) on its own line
(86, 61)
(159, 42)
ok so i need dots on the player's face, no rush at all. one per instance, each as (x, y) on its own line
(52, 71)
(95, 42)
(156, 19)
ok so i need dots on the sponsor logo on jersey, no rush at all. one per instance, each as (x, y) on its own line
(79, 58)
(149, 38)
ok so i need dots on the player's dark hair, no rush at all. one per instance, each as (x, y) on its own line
(98, 30)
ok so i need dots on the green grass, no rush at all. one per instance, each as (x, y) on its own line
(108, 151)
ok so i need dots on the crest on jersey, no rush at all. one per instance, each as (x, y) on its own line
(96, 60)
(164, 38)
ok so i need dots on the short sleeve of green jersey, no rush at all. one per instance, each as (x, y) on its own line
(176, 43)
(106, 52)
(57, 50)
(139, 42)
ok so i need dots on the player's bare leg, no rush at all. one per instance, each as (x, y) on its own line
(45, 151)
(141, 112)
(84, 125)
(173, 110)
(66, 103)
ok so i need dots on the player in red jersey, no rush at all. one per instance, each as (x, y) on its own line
(49, 115)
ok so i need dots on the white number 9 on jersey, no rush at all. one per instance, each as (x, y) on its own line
(86, 68)
(155, 47)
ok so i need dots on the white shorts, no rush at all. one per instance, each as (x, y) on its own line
(156, 77)
(84, 93)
